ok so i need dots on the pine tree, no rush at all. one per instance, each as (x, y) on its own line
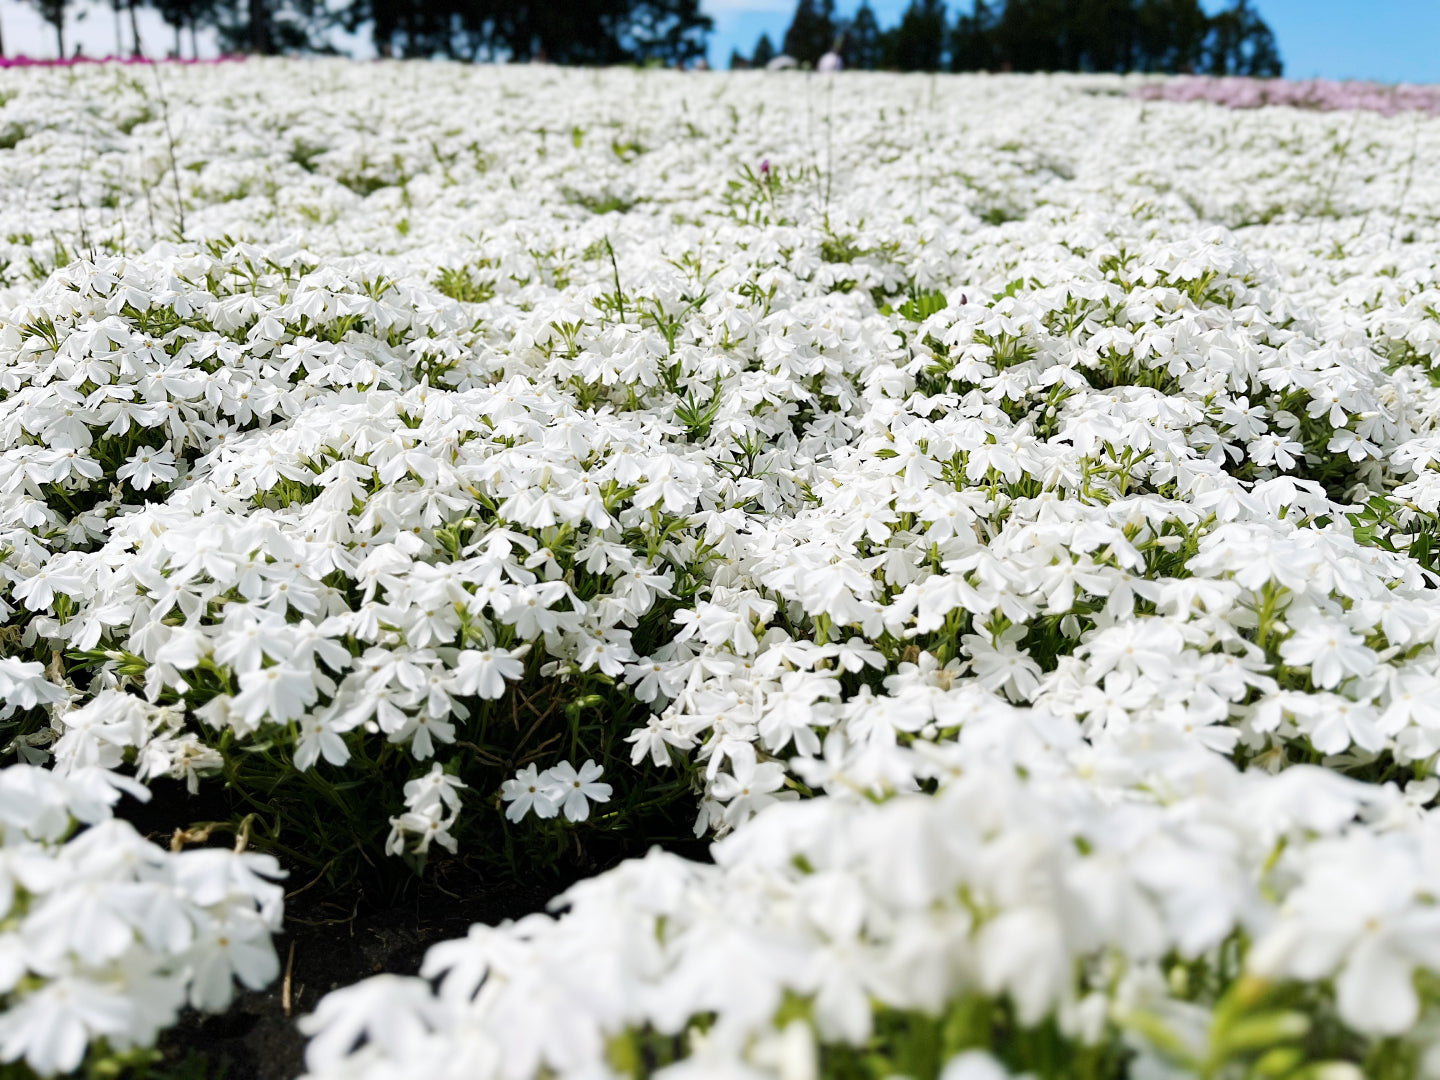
(1031, 35)
(1170, 35)
(1113, 35)
(1100, 35)
(812, 31)
(918, 42)
(863, 44)
(764, 52)
(1242, 44)
(972, 42)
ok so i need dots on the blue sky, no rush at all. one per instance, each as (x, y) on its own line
(1384, 40)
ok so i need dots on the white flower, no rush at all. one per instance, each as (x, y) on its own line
(528, 791)
(1003, 665)
(280, 693)
(573, 791)
(54, 1026)
(236, 946)
(436, 789)
(973, 1065)
(318, 738)
(1332, 652)
(148, 466)
(391, 1011)
(749, 789)
(484, 672)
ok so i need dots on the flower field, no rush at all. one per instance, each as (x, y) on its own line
(999, 512)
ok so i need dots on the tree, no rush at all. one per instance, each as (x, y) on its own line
(409, 28)
(1113, 35)
(1242, 44)
(1170, 35)
(136, 48)
(918, 43)
(575, 32)
(863, 45)
(262, 39)
(1030, 35)
(397, 27)
(669, 31)
(118, 6)
(1100, 36)
(812, 31)
(972, 41)
(764, 52)
(178, 14)
(461, 29)
(267, 27)
(53, 12)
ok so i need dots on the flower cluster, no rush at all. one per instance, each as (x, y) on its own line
(1058, 471)
(1240, 92)
(432, 806)
(1141, 900)
(104, 936)
(557, 788)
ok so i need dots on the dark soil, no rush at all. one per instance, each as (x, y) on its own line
(324, 949)
(331, 941)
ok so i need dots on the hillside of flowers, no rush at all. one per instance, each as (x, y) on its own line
(999, 512)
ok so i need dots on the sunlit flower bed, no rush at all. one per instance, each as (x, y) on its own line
(1000, 510)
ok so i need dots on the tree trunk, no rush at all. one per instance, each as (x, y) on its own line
(2, 46)
(260, 41)
(59, 25)
(135, 30)
(194, 40)
(119, 29)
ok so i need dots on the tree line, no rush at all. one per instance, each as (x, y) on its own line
(670, 32)
(996, 35)
(1172, 36)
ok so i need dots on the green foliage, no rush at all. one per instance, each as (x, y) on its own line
(605, 203)
(1258, 1030)
(1384, 524)
(466, 284)
(919, 307)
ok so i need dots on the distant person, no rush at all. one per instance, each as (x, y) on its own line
(830, 62)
